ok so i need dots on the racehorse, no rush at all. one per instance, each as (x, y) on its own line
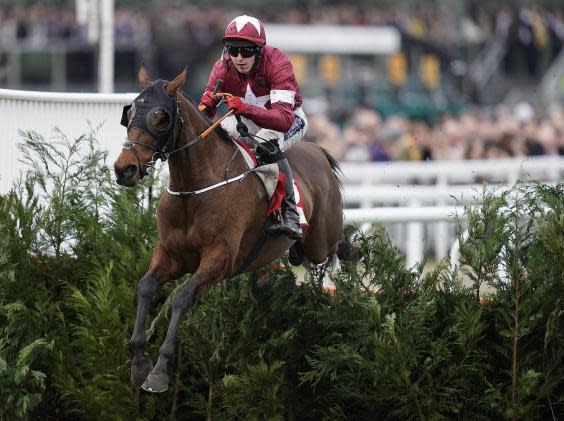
(212, 234)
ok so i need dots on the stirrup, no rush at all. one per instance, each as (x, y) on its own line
(282, 228)
(292, 229)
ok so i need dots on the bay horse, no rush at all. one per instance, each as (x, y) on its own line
(210, 235)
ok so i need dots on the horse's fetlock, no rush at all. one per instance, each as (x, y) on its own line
(166, 353)
(136, 344)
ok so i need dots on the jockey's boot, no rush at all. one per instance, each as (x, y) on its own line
(290, 223)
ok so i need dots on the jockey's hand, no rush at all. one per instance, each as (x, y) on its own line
(237, 105)
(209, 100)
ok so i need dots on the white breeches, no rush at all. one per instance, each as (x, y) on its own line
(285, 140)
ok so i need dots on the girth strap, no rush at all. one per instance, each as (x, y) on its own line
(259, 244)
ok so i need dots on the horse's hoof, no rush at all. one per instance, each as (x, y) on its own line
(156, 383)
(139, 372)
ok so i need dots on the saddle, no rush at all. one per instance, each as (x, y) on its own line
(273, 182)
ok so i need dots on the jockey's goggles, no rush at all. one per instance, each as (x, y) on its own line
(245, 52)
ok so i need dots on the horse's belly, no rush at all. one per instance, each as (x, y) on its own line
(272, 250)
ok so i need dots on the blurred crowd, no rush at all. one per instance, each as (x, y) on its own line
(41, 25)
(503, 132)
(469, 21)
(532, 31)
(534, 35)
(38, 24)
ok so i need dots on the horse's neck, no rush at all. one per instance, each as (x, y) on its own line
(203, 163)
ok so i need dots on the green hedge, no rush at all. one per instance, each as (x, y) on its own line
(389, 342)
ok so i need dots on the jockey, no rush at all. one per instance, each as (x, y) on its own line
(266, 97)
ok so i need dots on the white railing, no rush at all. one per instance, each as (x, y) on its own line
(412, 239)
(451, 172)
(72, 113)
(405, 194)
(423, 193)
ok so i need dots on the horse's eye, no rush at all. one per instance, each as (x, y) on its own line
(159, 119)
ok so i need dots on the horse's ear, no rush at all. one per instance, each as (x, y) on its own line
(177, 83)
(143, 76)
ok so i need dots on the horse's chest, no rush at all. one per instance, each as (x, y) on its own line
(184, 240)
(182, 248)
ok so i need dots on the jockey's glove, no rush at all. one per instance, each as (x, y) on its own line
(272, 145)
(237, 105)
(210, 100)
(269, 151)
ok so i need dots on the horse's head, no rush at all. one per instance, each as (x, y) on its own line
(152, 121)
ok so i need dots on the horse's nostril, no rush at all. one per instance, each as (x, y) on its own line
(125, 175)
(130, 170)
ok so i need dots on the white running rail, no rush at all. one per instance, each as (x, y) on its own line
(408, 194)
(70, 112)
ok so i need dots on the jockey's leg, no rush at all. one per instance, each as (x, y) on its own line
(290, 224)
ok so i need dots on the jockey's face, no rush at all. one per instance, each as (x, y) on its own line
(243, 64)
(243, 54)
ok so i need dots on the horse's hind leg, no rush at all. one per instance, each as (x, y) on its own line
(347, 251)
(296, 254)
(321, 240)
(214, 266)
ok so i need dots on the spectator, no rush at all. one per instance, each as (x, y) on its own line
(326, 134)
(360, 133)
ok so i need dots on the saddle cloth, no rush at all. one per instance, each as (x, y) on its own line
(273, 181)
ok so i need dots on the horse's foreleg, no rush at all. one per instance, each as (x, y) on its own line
(141, 366)
(162, 269)
(213, 268)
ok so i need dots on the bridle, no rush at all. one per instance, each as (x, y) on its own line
(161, 151)
(166, 137)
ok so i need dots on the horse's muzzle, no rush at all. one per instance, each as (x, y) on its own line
(127, 175)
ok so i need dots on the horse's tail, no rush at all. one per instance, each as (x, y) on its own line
(335, 167)
(346, 250)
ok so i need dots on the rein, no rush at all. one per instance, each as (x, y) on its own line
(160, 153)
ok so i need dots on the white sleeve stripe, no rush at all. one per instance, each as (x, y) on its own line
(277, 95)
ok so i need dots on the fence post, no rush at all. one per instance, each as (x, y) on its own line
(441, 228)
(414, 249)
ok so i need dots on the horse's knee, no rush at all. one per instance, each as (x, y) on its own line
(147, 286)
(315, 253)
(185, 296)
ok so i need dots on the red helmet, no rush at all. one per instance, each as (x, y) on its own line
(246, 28)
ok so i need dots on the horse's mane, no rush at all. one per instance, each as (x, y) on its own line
(220, 131)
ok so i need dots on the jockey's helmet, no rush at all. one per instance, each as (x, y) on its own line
(245, 28)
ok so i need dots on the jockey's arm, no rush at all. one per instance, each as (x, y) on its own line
(279, 117)
(282, 93)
